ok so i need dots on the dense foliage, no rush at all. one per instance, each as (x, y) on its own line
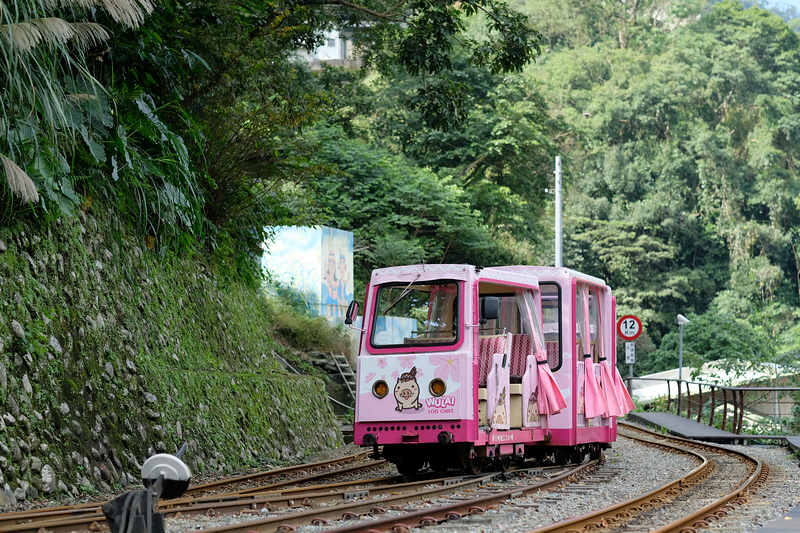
(678, 122)
(187, 116)
(684, 174)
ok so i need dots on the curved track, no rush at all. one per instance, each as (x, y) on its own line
(468, 496)
(284, 499)
(723, 472)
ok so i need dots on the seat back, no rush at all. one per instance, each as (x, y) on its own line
(488, 346)
(520, 348)
(553, 357)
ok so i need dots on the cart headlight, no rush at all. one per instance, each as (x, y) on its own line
(380, 389)
(437, 387)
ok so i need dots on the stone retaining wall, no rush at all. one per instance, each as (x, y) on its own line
(110, 353)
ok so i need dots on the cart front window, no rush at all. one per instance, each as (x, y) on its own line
(416, 314)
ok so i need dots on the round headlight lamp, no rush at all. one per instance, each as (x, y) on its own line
(437, 387)
(380, 389)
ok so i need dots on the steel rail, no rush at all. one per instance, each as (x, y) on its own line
(303, 498)
(66, 518)
(614, 515)
(413, 519)
(306, 496)
(88, 516)
(57, 520)
(715, 510)
(277, 485)
(275, 473)
(295, 492)
(269, 503)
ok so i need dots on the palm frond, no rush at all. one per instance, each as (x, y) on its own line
(18, 181)
(128, 12)
(27, 35)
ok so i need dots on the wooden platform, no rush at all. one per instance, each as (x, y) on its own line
(794, 443)
(688, 429)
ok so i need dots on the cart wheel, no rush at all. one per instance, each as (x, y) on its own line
(471, 466)
(577, 455)
(440, 466)
(595, 452)
(503, 463)
(563, 455)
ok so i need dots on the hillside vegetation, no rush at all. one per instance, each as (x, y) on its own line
(195, 124)
(678, 123)
(110, 354)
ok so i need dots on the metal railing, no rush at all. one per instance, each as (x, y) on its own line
(702, 400)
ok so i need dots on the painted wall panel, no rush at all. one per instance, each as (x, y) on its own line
(316, 264)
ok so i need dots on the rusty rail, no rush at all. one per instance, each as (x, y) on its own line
(407, 520)
(88, 516)
(734, 402)
(617, 515)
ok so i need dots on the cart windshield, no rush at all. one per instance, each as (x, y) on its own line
(416, 314)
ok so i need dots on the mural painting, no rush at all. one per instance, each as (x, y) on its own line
(313, 266)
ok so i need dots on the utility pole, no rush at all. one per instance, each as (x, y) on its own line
(559, 259)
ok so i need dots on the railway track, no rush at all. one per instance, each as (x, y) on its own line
(276, 507)
(465, 496)
(248, 488)
(684, 504)
(394, 503)
(732, 478)
(724, 473)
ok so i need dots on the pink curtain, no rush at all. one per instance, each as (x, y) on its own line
(607, 385)
(622, 393)
(595, 404)
(550, 400)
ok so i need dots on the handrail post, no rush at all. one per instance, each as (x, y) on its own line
(680, 399)
(669, 396)
(713, 405)
(688, 402)
(700, 407)
(741, 411)
(724, 407)
(735, 410)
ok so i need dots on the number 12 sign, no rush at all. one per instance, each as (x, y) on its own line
(629, 327)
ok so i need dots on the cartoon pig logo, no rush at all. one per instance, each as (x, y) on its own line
(406, 391)
(533, 407)
(499, 418)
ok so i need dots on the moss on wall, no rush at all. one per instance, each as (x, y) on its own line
(110, 353)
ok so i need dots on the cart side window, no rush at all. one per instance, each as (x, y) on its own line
(551, 322)
(416, 314)
(507, 321)
(587, 316)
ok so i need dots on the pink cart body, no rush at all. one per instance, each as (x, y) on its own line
(453, 360)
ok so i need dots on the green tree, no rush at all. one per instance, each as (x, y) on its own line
(681, 163)
(46, 89)
(709, 337)
(502, 156)
(399, 213)
(198, 131)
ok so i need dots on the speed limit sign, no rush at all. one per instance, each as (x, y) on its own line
(629, 327)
